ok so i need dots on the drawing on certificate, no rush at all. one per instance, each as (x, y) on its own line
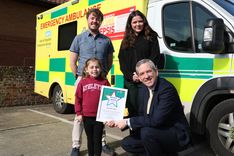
(111, 103)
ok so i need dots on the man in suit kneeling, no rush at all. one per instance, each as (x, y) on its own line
(161, 127)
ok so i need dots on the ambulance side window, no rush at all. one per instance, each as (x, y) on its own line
(177, 27)
(66, 34)
(200, 17)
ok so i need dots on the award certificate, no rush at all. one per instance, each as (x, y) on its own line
(111, 104)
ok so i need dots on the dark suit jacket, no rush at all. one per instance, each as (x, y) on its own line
(166, 111)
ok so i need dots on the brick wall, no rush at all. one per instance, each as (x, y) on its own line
(17, 31)
(16, 87)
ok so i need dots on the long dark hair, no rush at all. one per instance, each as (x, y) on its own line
(130, 36)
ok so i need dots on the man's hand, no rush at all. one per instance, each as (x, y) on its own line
(121, 124)
(110, 123)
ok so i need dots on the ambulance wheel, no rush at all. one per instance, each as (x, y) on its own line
(58, 102)
(220, 128)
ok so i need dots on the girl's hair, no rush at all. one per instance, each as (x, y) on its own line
(130, 36)
(93, 59)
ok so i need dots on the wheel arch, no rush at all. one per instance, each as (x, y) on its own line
(65, 107)
(208, 96)
(52, 86)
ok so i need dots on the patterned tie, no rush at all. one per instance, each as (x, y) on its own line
(149, 100)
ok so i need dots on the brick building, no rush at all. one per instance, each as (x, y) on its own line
(17, 50)
(17, 30)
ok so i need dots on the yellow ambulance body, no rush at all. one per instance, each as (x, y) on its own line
(55, 31)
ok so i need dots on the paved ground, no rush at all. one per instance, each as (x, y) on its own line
(40, 131)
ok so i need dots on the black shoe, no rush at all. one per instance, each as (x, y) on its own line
(75, 152)
(107, 150)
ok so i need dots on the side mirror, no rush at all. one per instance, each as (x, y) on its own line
(213, 37)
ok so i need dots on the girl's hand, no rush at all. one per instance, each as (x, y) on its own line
(80, 118)
(135, 78)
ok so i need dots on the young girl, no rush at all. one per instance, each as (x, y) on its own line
(86, 104)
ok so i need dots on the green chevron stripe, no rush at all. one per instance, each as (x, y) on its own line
(69, 79)
(42, 76)
(91, 2)
(57, 64)
(58, 13)
(176, 63)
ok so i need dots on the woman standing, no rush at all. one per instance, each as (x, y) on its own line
(139, 42)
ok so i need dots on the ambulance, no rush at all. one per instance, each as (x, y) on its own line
(196, 39)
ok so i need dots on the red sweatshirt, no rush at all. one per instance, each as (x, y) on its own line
(87, 95)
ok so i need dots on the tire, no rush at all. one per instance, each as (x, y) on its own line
(58, 102)
(220, 128)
